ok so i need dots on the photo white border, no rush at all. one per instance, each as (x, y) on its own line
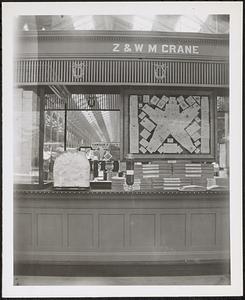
(234, 9)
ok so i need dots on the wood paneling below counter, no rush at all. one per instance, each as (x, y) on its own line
(91, 227)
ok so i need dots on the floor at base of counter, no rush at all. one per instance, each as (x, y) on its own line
(153, 280)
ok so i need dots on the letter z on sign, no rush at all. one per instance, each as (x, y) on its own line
(116, 47)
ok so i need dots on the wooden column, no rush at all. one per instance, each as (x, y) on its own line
(65, 127)
(41, 93)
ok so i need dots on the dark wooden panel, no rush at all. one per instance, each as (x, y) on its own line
(80, 231)
(124, 269)
(125, 71)
(49, 230)
(23, 230)
(142, 230)
(101, 102)
(111, 231)
(172, 231)
(203, 229)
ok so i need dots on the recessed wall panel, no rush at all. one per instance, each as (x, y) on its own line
(111, 231)
(80, 231)
(203, 229)
(172, 231)
(142, 230)
(225, 232)
(23, 230)
(49, 230)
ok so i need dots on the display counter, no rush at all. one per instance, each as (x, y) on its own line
(77, 227)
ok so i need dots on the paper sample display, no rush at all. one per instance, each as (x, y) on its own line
(147, 124)
(169, 124)
(145, 133)
(142, 115)
(154, 100)
(146, 98)
(170, 148)
(144, 143)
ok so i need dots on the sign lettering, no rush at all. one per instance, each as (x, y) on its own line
(155, 48)
(115, 48)
(138, 47)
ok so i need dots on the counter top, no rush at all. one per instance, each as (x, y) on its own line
(96, 192)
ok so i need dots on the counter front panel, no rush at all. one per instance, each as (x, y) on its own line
(80, 227)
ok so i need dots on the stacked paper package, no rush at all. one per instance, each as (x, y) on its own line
(117, 183)
(151, 175)
(197, 173)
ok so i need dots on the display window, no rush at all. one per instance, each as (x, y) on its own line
(91, 121)
(26, 136)
(171, 125)
(151, 125)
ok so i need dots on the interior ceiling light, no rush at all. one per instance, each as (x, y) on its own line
(109, 126)
(190, 23)
(83, 22)
(26, 27)
(92, 121)
(143, 23)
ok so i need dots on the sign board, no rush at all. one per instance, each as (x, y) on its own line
(178, 45)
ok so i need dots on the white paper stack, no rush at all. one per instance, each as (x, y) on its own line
(196, 172)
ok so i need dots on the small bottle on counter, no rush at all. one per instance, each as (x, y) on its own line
(115, 166)
(129, 169)
(96, 168)
(102, 165)
(105, 173)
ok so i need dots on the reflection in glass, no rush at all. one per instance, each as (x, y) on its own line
(53, 140)
(26, 137)
(94, 129)
(83, 128)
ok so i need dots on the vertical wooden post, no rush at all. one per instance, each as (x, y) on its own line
(122, 124)
(227, 162)
(41, 133)
(65, 127)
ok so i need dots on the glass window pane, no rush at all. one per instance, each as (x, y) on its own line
(94, 129)
(53, 140)
(26, 137)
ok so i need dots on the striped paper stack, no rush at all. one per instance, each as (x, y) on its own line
(175, 183)
(151, 175)
(157, 183)
(196, 172)
(146, 184)
(153, 170)
(157, 170)
(117, 184)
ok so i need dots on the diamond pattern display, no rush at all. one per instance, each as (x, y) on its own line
(161, 124)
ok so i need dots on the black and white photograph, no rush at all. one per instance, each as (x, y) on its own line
(122, 149)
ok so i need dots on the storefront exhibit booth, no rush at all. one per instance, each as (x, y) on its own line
(168, 93)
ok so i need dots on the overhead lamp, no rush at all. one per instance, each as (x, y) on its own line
(189, 23)
(26, 27)
(143, 23)
(83, 22)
